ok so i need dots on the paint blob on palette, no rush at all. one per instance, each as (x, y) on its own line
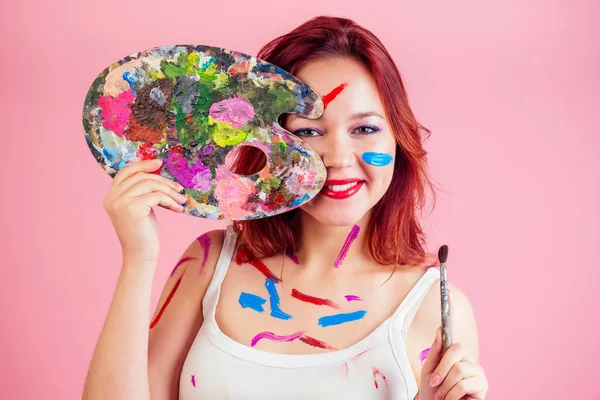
(191, 106)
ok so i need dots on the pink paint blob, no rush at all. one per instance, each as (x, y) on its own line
(204, 241)
(276, 338)
(234, 111)
(352, 297)
(423, 355)
(184, 259)
(293, 258)
(193, 380)
(233, 193)
(116, 111)
(351, 238)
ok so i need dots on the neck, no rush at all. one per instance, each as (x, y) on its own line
(319, 246)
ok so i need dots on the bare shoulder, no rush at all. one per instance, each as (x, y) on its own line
(464, 327)
(178, 314)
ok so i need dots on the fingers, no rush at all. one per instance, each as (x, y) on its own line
(455, 354)
(472, 388)
(435, 354)
(459, 372)
(152, 199)
(147, 166)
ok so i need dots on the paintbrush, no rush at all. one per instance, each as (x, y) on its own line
(446, 326)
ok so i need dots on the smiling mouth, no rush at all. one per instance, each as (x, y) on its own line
(341, 189)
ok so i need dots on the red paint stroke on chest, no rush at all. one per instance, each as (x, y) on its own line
(328, 98)
(244, 255)
(164, 307)
(313, 300)
(316, 342)
(376, 373)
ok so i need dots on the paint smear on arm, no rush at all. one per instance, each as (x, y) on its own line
(204, 240)
(275, 338)
(164, 307)
(194, 380)
(274, 301)
(184, 259)
(249, 300)
(313, 300)
(338, 319)
(351, 238)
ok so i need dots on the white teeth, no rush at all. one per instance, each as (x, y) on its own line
(341, 188)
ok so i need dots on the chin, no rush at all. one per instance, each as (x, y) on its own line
(341, 216)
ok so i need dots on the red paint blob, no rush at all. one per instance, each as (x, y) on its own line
(244, 255)
(328, 98)
(316, 343)
(313, 300)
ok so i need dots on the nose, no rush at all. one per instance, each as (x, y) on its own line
(337, 151)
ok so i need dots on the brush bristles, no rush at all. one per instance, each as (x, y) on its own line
(443, 253)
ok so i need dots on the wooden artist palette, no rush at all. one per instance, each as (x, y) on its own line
(191, 106)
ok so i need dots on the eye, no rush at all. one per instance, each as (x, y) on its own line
(306, 132)
(366, 130)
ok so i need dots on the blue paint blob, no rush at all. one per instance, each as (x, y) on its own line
(274, 301)
(300, 200)
(341, 318)
(377, 159)
(129, 78)
(249, 300)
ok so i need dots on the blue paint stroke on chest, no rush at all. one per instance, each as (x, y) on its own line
(337, 319)
(274, 301)
(249, 300)
(377, 159)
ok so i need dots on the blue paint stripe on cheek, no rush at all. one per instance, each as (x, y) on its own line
(249, 300)
(377, 159)
(341, 318)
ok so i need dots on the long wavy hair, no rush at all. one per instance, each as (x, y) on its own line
(394, 233)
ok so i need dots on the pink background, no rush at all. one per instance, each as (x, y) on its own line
(509, 89)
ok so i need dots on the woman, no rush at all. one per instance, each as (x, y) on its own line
(272, 309)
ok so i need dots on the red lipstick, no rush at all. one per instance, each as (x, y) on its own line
(342, 194)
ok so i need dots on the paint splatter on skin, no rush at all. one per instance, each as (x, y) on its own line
(249, 300)
(328, 98)
(316, 343)
(293, 258)
(313, 300)
(274, 301)
(164, 307)
(377, 373)
(352, 297)
(184, 259)
(275, 338)
(341, 318)
(351, 238)
(423, 355)
(377, 159)
(204, 240)
(244, 255)
(194, 380)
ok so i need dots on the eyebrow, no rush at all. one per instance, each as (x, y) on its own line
(355, 116)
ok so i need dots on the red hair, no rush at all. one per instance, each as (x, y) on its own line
(394, 233)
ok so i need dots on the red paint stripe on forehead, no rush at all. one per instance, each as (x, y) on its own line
(328, 98)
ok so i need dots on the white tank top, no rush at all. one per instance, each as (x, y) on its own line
(217, 367)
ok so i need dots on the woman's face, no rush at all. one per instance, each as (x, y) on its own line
(352, 137)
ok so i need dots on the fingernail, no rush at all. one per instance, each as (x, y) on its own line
(435, 380)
